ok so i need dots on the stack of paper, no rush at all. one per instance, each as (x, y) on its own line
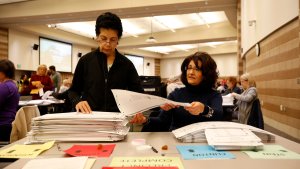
(97, 126)
(224, 135)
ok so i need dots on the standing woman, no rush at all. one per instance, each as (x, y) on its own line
(103, 69)
(245, 99)
(199, 75)
(9, 98)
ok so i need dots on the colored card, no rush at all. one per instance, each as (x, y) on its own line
(25, 151)
(139, 167)
(157, 161)
(100, 150)
(202, 152)
(273, 152)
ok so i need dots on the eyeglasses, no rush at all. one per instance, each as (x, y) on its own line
(112, 41)
(193, 68)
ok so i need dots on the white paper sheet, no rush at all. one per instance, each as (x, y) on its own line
(232, 139)
(228, 100)
(46, 95)
(57, 163)
(130, 103)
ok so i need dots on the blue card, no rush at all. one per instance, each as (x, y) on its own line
(202, 152)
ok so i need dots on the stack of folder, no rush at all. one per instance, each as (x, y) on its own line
(224, 135)
(98, 126)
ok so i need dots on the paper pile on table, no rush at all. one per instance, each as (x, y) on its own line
(224, 135)
(97, 126)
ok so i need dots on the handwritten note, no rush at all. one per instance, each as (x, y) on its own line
(91, 150)
(25, 151)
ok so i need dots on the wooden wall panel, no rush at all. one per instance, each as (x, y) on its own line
(3, 43)
(277, 73)
(157, 67)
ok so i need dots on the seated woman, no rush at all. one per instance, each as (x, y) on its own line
(232, 86)
(245, 100)
(199, 75)
(9, 98)
(65, 86)
(25, 89)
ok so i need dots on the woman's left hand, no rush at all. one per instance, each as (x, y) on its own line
(195, 108)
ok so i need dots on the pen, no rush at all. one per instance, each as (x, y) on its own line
(154, 149)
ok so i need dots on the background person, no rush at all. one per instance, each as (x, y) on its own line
(199, 76)
(55, 77)
(40, 81)
(102, 70)
(245, 100)
(9, 98)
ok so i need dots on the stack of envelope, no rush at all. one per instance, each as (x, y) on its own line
(97, 126)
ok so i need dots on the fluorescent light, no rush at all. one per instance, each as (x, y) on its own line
(156, 19)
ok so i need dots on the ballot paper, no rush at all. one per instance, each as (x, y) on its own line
(73, 126)
(224, 135)
(131, 103)
(228, 100)
(233, 139)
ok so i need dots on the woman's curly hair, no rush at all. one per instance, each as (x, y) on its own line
(208, 68)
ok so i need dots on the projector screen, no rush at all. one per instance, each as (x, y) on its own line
(59, 54)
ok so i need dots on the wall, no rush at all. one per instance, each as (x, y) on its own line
(269, 15)
(149, 68)
(226, 63)
(277, 73)
(25, 58)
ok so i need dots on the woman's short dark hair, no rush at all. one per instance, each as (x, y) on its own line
(208, 68)
(8, 68)
(109, 21)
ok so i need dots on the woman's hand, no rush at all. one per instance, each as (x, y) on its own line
(139, 118)
(83, 107)
(168, 106)
(195, 108)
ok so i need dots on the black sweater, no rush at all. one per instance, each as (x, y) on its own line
(179, 117)
(92, 81)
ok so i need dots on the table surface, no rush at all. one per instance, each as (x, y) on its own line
(158, 139)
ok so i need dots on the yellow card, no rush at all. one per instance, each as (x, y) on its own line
(34, 91)
(25, 151)
(146, 162)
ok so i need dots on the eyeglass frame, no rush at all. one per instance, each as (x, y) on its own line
(104, 39)
(193, 68)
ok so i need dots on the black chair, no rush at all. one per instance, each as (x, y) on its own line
(256, 117)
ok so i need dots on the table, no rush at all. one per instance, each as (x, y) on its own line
(158, 139)
(44, 105)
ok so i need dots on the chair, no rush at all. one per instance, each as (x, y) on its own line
(22, 123)
(256, 117)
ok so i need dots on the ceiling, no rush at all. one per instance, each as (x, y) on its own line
(177, 26)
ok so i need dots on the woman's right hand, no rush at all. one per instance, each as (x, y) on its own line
(139, 118)
(83, 107)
